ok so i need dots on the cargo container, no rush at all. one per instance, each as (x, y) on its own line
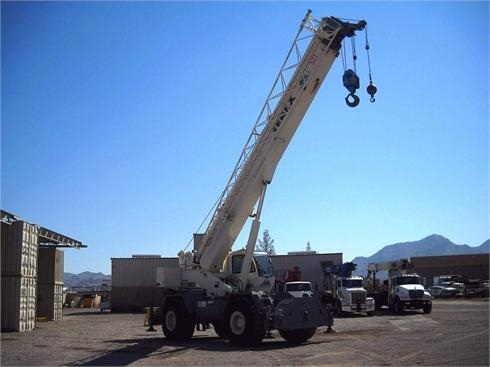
(50, 301)
(51, 265)
(19, 249)
(18, 303)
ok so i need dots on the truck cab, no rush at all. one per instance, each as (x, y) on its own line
(352, 297)
(407, 292)
(299, 289)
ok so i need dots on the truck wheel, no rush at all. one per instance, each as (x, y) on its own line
(371, 313)
(244, 325)
(177, 323)
(427, 307)
(297, 336)
(338, 307)
(397, 306)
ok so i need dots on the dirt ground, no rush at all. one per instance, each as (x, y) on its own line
(455, 333)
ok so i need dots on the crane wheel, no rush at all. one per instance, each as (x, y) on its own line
(297, 336)
(244, 324)
(397, 306)
(427, 308)
(177, 323)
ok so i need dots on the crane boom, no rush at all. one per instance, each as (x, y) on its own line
(281, 115)
(231, 290)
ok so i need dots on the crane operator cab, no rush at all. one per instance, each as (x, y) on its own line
(261, 275)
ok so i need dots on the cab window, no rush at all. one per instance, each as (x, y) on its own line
(236, 264)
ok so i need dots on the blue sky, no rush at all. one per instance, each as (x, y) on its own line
(122, 122)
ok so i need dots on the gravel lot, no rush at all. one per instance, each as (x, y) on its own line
(455, 333)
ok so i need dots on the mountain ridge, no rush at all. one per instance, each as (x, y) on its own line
(433, 245)
(86, 279)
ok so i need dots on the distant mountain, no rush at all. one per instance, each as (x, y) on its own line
(434, 245)
(86, 279)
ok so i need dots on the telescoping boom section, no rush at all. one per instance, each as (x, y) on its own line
(299, 79)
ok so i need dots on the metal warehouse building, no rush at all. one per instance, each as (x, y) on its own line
(32, 273)
(134, 279)
(309, 264)
(474, 266)
(134, 284)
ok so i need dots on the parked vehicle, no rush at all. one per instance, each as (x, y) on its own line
(344, 292)
(401, 290)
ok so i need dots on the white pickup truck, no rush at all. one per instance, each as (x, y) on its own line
(299, 289)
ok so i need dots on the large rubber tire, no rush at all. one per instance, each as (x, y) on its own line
(338, 307)
(297, 336)
(427, 308)
(397, 306)
(244, 325)
(177, 323)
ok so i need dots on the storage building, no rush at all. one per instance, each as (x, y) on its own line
(474, 266)
(32, 273)
(308, 264)
(134, 283)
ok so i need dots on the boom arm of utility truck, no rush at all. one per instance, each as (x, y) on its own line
(280, 117)
(391, 266)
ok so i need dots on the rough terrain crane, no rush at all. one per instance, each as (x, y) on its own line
(231, 290)
(402, 290)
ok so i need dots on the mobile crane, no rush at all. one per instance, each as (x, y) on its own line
(402, 290)
(231, 290)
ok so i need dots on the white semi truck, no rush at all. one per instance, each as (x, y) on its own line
(231, 290)
(344, 291)
(402, 290)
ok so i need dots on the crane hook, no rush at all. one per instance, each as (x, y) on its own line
(351, 83)
(354, 102)
(371, 89)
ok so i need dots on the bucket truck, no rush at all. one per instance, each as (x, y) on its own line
(402, 290)
(231, 290)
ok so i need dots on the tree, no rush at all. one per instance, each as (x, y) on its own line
(266, 244)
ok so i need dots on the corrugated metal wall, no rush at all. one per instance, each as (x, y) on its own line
(51, 265)
(50, 301)
(134, 299)
(19, 275)
(134, 282)
(139, 272)
(475, 266)
(18, 303)
(50, 283)
(19, 249)
(309, 265)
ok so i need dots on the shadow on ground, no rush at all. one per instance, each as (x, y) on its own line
(161, 349)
